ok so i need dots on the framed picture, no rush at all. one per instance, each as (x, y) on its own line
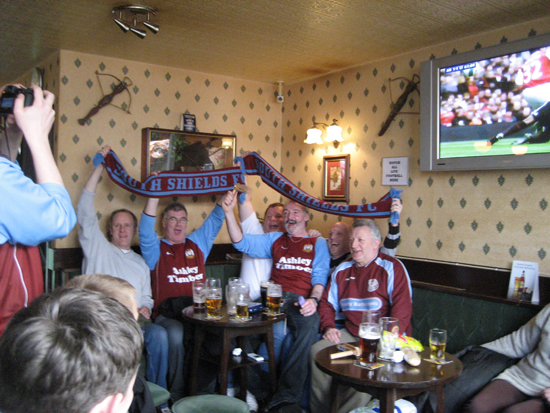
(336, 178)
(173, 150)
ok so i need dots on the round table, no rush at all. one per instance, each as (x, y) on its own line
(390, 382)
(228, 328)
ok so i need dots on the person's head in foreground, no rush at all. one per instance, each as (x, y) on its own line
(70, 351)
(115, 288)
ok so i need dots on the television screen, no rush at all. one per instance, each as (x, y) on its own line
(487, 109)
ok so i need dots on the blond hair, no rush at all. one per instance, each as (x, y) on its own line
(115, 288)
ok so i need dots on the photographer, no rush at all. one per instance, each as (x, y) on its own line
(30, 213)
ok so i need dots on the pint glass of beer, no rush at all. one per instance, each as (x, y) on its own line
(214, 303)
(263, 291)
(438, 342)
(243, 297)
(371, 316)
(274, 297)
(213, 283)
(369, 335)
(199, 297)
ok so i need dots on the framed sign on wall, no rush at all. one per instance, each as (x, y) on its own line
(173, 150)
(336, 178)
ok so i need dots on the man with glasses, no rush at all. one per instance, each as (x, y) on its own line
(175, 262)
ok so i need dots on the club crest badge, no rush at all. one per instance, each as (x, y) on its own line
(373, 285)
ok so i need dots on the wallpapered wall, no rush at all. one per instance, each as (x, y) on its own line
(484, 218)
(159, 96)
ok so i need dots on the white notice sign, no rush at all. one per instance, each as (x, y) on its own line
(395, 171)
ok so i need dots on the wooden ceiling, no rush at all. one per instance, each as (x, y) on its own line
(263, 40)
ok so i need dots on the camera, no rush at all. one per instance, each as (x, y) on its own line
(280, 98)
(9, 94)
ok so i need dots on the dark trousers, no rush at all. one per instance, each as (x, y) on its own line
(295, 371)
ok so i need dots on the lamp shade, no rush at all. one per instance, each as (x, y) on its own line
(138, 32)
(314, 136)
(334, 133)
(123, 26)
(154, 28)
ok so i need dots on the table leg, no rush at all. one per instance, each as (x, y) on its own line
(271, 358)
(440, 399)
(242, 373)
(387, 400)
(224, 365)
(334, 396)
(199, 338)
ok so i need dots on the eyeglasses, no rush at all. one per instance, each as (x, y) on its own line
(174, 220)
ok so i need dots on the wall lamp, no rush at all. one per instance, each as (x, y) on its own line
(135, 14)
(334, 133)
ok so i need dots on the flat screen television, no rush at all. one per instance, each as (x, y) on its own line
(487, 109)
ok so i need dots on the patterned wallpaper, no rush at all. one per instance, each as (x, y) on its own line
(478, 217)
(159, 96)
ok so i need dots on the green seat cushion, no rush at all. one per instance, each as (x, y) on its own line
(210, 403)
(159, 394)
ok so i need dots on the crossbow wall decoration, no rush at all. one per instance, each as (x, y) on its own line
(107, 99)
(397, 106)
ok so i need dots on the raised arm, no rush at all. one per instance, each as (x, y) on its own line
(228, 204)
(35, 122)
(151, 207)
(93, 181)
(148, 240)
(245, 207)
(396, 209)
(393, 237)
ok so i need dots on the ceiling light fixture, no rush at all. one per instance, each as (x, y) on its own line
(137, 15)
(334, 133)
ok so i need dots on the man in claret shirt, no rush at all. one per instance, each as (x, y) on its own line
(175, 262)
(372, 280)
(338, 237)
(301, 266)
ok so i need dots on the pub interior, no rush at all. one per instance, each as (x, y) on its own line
(460, 230)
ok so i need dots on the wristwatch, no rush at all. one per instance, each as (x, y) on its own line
(315, 298)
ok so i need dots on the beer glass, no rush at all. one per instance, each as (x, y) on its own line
(243, 297)
(438, 342)
(199, 297)
(274, 297)
(390, 331)
(213, 283)
(214, 302)
(263, 292)
(371, 316)
(369, 335)
(231, 296)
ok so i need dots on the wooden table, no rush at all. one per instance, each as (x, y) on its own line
(228, 328)
(391, 382)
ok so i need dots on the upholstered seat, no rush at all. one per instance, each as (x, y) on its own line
(158, 394)
(211, 403)
(468, 320)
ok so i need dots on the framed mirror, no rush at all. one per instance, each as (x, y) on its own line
(173, 150)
